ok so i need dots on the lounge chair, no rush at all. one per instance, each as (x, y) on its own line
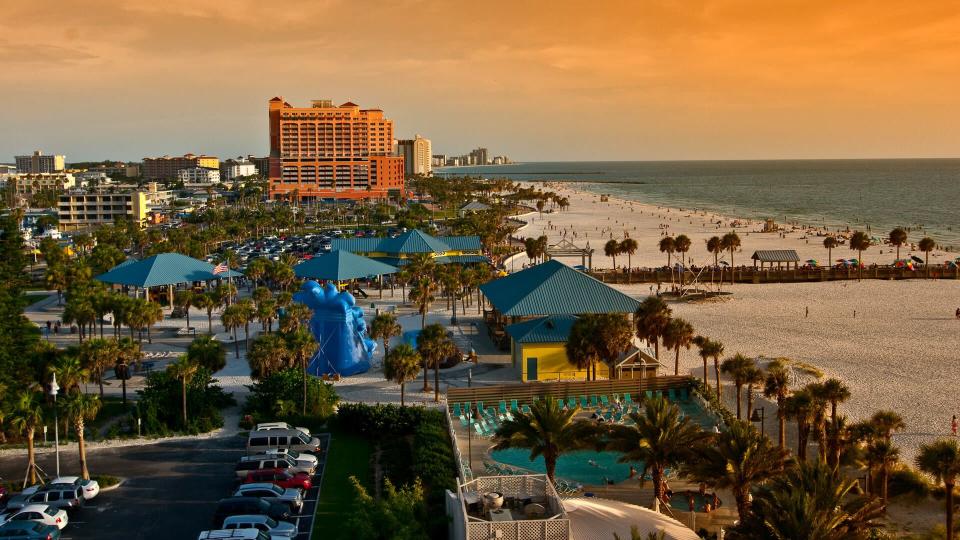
(479, 429)
(618, 417)
(571, 403)
(480, 410)
(561, 404)
(649, 394)
(608, 416)
(628, 399)
(605, 400)
(513, 406)
(456, 410)
(525, 409)
(583, 402)
(593, 401)
(463, 420)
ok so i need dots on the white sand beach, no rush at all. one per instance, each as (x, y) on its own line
(901, 351)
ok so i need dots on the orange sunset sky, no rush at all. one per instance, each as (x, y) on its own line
(558, 80)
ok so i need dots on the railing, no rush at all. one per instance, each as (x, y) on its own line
(756, 275)
(525, 393)
(536, 487)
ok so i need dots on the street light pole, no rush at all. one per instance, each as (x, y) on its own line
(54, 389)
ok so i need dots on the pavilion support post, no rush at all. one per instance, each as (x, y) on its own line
(380, 278)
(170, 297)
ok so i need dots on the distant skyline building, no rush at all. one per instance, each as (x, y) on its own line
(479, 156)
(417, 156)
(332, 152)
(40, 163)
(32, 183)
(199, 175)
(167, 168)
(236, 168)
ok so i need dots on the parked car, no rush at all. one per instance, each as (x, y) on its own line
(28, 530)
(292, 497)
(267, 426)
(40, 513)
(260, 441)
(91, 488)
(302, 459)
(4, 496)
(276, 529)
(61, 496)
(256, 463)
(237, 506)
(280, 477)
(239, 534)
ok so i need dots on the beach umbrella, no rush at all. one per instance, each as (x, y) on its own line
(725, 263)
(811, 261)
(916, 259)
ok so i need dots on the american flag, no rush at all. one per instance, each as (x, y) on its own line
(220, 268)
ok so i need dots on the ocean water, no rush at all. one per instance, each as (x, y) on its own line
(921, 194)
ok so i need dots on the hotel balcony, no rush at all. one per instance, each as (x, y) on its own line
(511, 507)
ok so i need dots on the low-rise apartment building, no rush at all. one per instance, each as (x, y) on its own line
(199, 175)
(29, 184)
(83, 210)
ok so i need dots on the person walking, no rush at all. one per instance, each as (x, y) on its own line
(953, 425)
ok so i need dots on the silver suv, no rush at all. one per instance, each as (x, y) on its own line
(60, 497)
(292, 497)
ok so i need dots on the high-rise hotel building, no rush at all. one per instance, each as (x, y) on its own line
(332, 152)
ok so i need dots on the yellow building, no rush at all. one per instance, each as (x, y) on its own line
(538, 346)
(84, 210)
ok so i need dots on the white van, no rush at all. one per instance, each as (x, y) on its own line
(261, 441)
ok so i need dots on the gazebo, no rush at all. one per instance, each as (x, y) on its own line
(566, 248)
(775, 256)
(164, 269)
(397, 251)
(340, 265)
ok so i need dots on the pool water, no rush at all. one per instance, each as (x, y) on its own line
(583, 466)
(598, 468)
(680, 501)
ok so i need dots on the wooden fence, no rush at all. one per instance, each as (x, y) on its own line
(773, 275)
(524, 393)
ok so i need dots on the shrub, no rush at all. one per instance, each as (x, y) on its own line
(380, 422)
(906, 481)
(398, 515)
(159, 406)
(279, 396)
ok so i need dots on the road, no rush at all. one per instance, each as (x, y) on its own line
(171, 489)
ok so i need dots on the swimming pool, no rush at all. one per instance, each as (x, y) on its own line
(595, 468)
(584, 466)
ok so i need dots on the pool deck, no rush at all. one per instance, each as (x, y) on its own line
(628, 491)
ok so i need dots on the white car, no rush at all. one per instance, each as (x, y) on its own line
(91, 488)
(41, 513)
(266, 426)
(303, 460)
(276, 529)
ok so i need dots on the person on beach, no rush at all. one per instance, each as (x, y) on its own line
(957, 313)
(953, 425)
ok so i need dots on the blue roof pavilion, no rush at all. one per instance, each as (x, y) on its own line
(340, 265)
(162, 269)
(396, 251)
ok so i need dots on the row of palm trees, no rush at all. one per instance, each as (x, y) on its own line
(626, 246)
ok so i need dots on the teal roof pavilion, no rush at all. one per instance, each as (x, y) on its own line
(552, 329)
(408, 243)
(553, 288)
(161, 269)
(340, 265)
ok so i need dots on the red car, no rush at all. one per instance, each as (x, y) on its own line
(280, 477)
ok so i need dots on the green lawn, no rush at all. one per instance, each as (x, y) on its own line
(348, 456)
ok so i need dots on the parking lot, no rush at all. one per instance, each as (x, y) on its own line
(171, 489)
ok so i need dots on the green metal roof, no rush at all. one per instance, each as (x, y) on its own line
(162, 269)
(552, 329)
(414, 241)
(552, 288)
(339, 265)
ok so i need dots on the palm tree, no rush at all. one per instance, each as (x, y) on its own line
(882, 455)
(716, 351)
(668, 246)
(232, 319)
(208, 352)
(819, 414)
(434, 347)
(682, 244)
(70, 372)
(257, 269)
(800, 407)
(129, 353)
(886, 422)
(599, 337)
(629, 246)
(297, 316)
(808, 502)
(268, 354)
(651, 320)
(660, 438)
(715, 246)
(830, 242)
(835, 392)
(209, 302)
(547, 430)
(302, 345)
(678, 334)
(384, 327)
(422, 295)
(898, 237)
(927, 245)
(941, 459)
(183, 369)
(581, 345)
(97, 355)
(25, 415)
(184, 300)
(611, 249)
(859, 241)
(777, 385)
(80, 408)
(731, 243)
(266, 312)
(703, 344)
(401, 366)
(751, 377)
(738, 367)
(736, 460)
